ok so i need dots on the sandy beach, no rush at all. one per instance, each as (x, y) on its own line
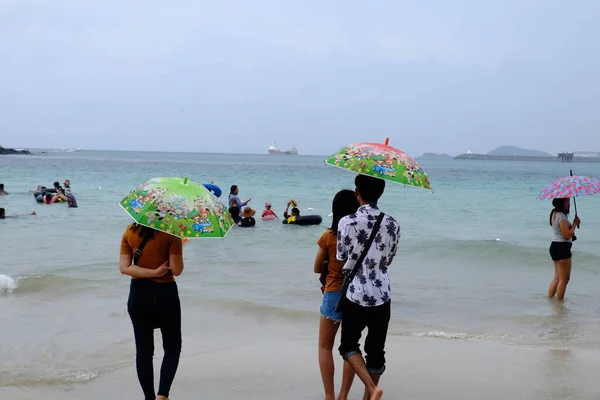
(246, 356)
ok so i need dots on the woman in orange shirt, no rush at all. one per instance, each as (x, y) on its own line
(344, 203)
(153, 258)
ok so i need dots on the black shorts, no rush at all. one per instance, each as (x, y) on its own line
(560, 250)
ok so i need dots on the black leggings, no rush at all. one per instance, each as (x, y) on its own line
(154, 305)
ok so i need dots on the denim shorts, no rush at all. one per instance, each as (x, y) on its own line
(330, 300)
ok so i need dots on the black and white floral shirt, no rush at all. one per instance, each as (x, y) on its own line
(371, 285)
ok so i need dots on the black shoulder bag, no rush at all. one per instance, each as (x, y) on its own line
(350, 277)
(138, 252)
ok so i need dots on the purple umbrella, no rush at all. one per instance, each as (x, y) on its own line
(571, 186)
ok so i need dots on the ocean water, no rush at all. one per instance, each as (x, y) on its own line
(473, 262)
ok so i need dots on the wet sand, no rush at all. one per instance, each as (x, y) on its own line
(274, 357)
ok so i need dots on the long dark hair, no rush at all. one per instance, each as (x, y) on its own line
(232, 189)
(344, 203)
(559, 206)
(142, 230)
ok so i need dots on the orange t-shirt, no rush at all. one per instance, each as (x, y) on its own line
(155, 253)
(335, 279)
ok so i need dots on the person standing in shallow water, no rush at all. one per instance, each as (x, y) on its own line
(368, 297)
(560, 248)
(344, 203)
(234, 191)
(153, 258)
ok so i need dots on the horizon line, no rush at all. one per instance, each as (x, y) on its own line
(201, 152)
(168, 151)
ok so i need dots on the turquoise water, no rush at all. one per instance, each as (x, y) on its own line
(473, 261)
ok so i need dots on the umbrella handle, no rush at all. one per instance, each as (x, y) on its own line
(575, 202)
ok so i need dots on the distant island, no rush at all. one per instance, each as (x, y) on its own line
(514, 151)
(13, 151)
(435, 155)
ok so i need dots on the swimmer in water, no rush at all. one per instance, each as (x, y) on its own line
(67, 186)
(268, 210)
(60, 195)
(247, 217)
(295, 211)
(2, 191)
(3, 214)
(234, 211)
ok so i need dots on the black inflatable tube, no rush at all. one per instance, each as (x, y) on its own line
(43, 191)
(305, 220)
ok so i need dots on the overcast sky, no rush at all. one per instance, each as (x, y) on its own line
(233, 76)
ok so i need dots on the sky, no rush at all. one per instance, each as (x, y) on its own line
(234, 76)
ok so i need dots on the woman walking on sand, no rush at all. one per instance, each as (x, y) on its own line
(560, 248)
(326, 264)
(153, 258)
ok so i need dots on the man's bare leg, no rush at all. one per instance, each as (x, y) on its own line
(358, 365)
(375, 378)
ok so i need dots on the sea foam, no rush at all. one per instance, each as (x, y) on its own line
(7, 284)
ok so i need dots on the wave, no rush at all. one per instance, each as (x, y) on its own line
(454, 335)
(51, 378)
(492, 249)
(245, 307)
(38, 283)
(28, 377)
(402, 327)
(8, 284)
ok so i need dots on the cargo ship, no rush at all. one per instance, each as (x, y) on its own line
(292, 151)
(273, 149)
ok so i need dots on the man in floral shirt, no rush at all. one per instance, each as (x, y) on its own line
(369, 293)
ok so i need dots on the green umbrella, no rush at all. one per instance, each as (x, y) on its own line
(178, 207)
(381, 161)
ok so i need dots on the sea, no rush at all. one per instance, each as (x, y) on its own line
(473, 263)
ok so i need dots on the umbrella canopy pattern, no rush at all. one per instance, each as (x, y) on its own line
(381, 161)
(570, 186)
(178, 207)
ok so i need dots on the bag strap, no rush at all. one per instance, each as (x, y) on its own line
(358, 264)
(138, 252)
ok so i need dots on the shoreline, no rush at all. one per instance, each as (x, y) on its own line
(275, 357)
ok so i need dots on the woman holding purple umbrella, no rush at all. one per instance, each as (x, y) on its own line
(563, 235)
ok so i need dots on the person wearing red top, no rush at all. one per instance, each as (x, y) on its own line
(268, 211)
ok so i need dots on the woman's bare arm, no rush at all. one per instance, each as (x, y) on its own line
(176, 264)
(567, 233)
(135, 271)
(319, 260)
